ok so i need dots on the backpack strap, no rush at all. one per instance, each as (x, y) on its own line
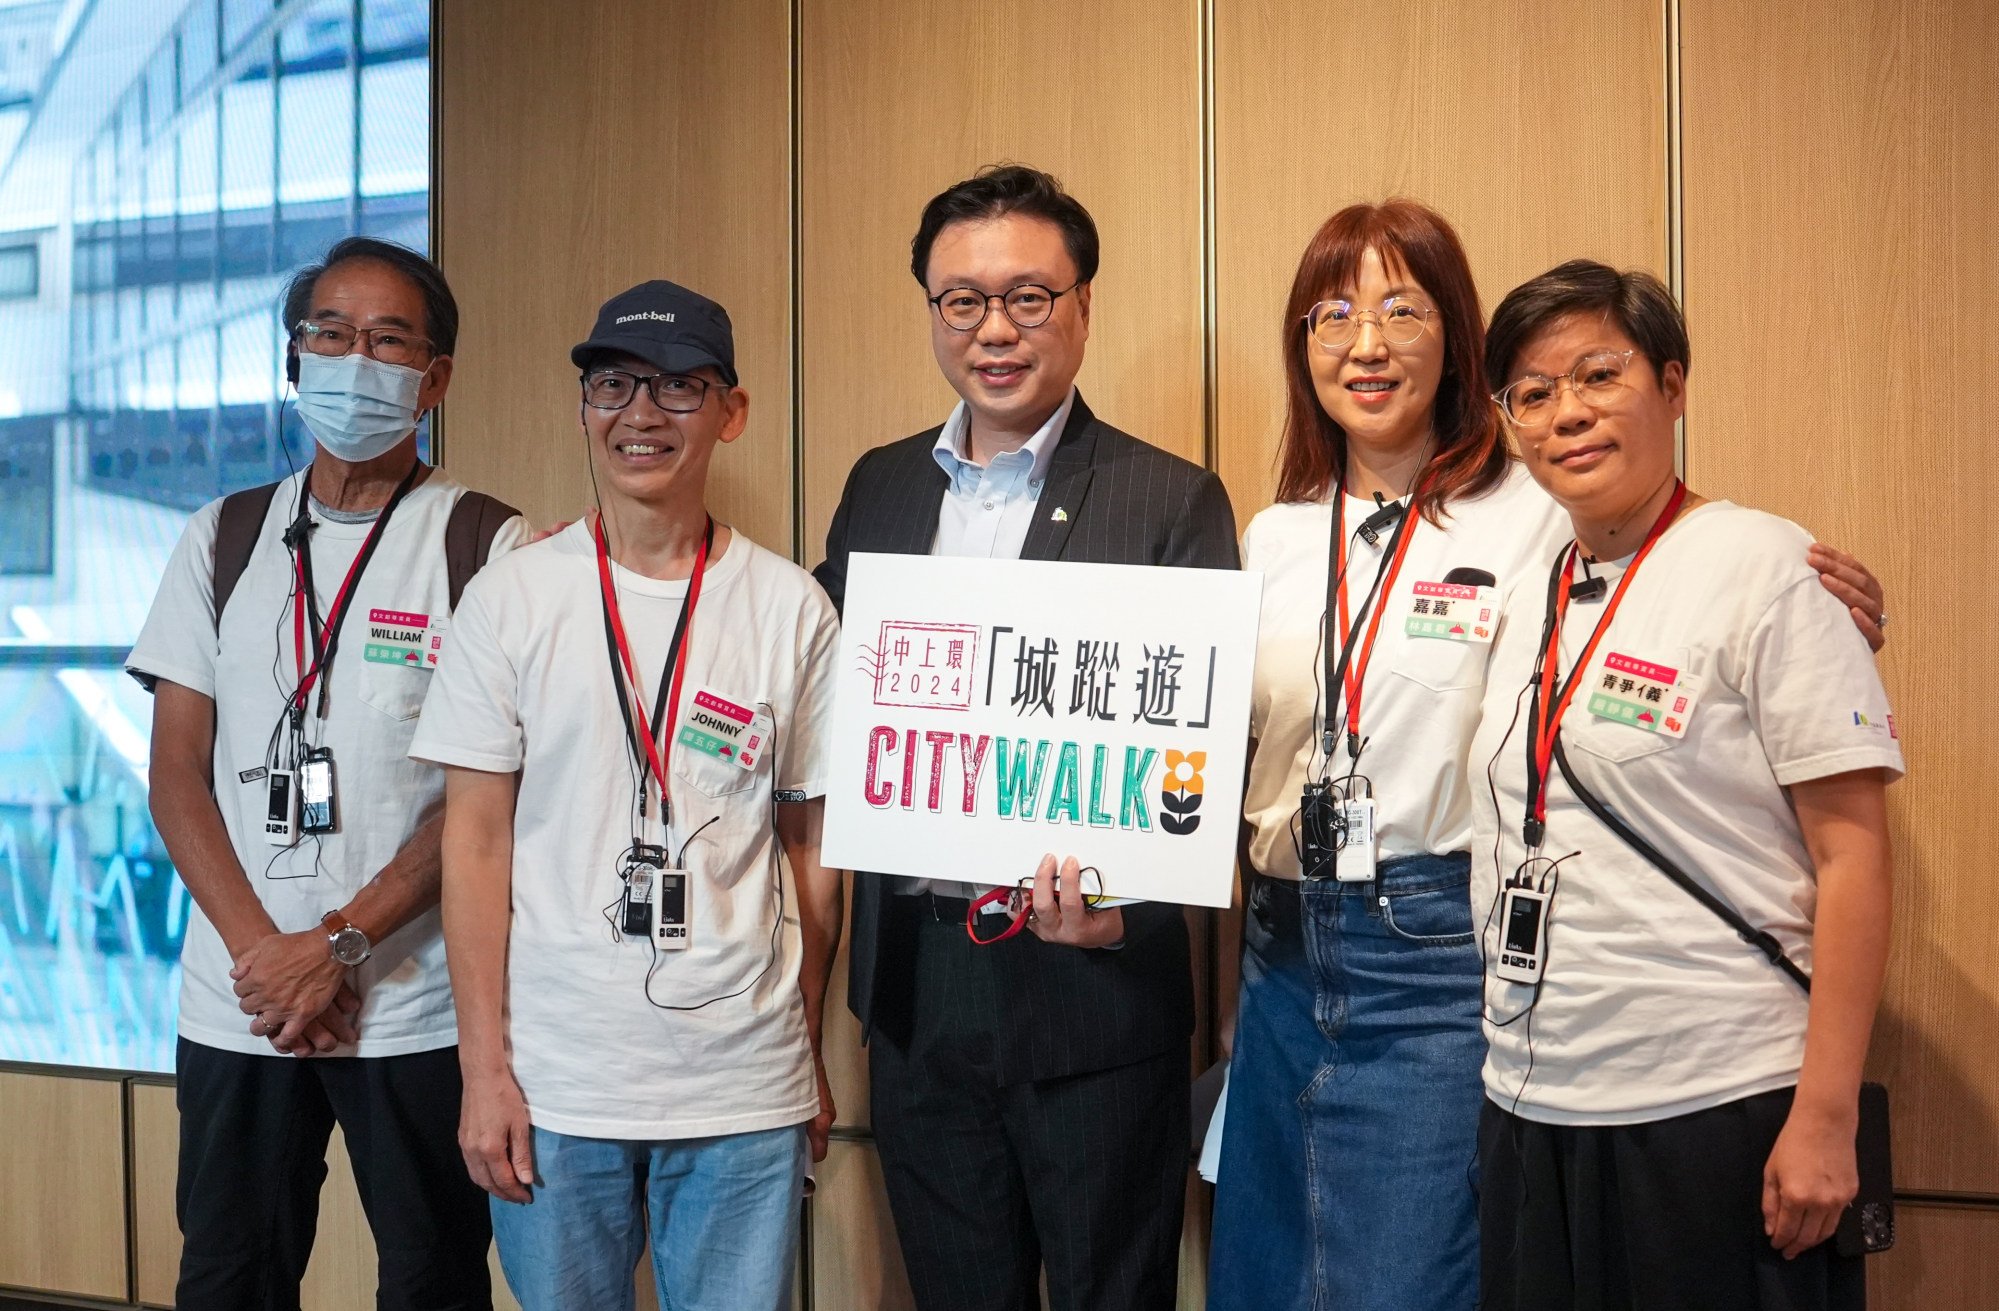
(236, 531)
(468, 537)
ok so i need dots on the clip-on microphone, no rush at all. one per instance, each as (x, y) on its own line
(1466, 576)
(300, 530)
(1590, 588)
(1385, 514)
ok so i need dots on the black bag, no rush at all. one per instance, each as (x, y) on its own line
(1868, 1223)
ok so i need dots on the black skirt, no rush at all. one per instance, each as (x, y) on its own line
(1664, 1216)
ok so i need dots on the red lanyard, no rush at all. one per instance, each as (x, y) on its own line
(1371, 610)
(656, 754)
(325, 636)
(1546, 721)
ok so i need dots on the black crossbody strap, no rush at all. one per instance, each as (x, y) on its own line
(1727, 914)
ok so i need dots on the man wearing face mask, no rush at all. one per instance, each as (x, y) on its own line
(289, 649)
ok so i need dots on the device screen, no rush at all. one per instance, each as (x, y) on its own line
(672, 898)
(315, 782)
(281, 798)
(1522, 915)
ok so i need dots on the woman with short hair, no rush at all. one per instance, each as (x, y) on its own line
(1680, 712)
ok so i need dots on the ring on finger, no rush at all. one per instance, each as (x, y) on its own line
(1881, 621)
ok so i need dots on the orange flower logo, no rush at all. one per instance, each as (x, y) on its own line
(1180, 791)
(1183, 772)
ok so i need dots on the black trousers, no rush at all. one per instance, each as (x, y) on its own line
(1666, 1216)
(986, 1183)
(253, 1138)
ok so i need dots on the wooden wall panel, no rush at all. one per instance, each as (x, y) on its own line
(579, 156)
(155, 1164)
(1944, 1259)
(899, 100)
(1842, 207)
(1538, 129)
(855, 1263)
(63, 1159)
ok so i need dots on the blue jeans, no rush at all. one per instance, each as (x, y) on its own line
(723, 1216)
(1348, 1173)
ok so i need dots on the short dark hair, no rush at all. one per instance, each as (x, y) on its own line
(440, 307)
(996, 191)
(1639, 303)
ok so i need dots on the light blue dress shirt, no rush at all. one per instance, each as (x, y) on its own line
(987, 509)
(986, 513)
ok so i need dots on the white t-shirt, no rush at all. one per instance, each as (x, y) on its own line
(382, 796)
(1650, 1006)
(1420, 700)
(527, 686)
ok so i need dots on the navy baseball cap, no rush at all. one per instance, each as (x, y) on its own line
(666, 325)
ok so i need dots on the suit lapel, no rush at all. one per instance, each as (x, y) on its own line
(913, 530)
(1062, 496)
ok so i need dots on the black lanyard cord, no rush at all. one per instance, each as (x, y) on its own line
(324, 647)
(1335, 668)
(632, 741)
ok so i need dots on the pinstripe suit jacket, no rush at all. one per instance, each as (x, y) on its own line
(1067, 1010)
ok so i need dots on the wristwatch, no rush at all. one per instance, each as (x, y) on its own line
(349, 945)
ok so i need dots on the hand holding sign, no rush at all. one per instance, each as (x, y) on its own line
(1057, 913)
(984, 702)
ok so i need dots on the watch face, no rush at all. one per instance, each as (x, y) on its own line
(350, 946)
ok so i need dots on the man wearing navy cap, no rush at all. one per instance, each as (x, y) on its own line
(632, 718)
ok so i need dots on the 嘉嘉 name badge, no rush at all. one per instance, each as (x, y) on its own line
(1645, 695)
(715, 725)
(1453, 612)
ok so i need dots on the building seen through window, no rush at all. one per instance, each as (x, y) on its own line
(164, 165)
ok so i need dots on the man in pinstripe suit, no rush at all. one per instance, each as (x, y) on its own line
(1030, 1098)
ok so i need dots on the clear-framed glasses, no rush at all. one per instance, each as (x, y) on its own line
(389, 345)
(1028, 305)
(676, 393)
(1335, 323)
(1597, 380)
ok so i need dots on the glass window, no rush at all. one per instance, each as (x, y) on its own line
(395, 28)
(198, 32)
(146, 367)
(395, 128)
(242, 19)
(20, 272)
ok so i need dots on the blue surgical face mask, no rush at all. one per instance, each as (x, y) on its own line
(356, 406)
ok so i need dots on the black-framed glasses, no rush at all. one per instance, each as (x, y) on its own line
(676, 393)
(1019, 903)
(963, 309)
(332, 338)
(1597, 380)
(1335, 323)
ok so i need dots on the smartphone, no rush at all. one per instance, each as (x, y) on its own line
(315, 793)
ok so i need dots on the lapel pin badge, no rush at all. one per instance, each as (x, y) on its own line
(1060, 516)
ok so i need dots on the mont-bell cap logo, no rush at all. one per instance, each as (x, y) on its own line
(668, 326)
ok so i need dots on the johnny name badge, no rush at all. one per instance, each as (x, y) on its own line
(716, 726)
(400, 637)
(1453, 612)
(1644, 695)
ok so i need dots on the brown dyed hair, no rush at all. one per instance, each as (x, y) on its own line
(1471, 454)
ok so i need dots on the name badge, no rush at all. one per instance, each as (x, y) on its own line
(1645, 695)
(1452, 612)
(405, 637)
(715, 725)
